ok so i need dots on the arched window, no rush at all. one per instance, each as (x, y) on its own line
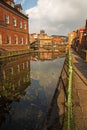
(21, 40)
(15, 39)
(8, 39)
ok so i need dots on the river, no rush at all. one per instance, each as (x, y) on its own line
(27, 85)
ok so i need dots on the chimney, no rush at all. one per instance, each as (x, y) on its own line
(9, 2)
(18, 7)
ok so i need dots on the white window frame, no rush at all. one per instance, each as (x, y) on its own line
(7, 19)
(25, 26)
(20, 24)
(14, 22)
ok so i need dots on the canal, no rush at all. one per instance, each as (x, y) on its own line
(27, 85)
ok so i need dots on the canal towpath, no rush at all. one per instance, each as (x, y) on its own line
(79, 91)
(79, 97)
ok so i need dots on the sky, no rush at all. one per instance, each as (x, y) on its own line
(56, 17)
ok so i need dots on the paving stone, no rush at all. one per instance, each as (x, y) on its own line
(79, 92)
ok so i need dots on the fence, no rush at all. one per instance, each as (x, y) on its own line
(65, 82)
(70, 116)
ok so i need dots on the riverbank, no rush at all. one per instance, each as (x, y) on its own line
(5, 53)
(57, 117)
(36, 54)
(79, 93)
(15, 52)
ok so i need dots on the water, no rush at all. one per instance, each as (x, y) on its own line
(26, 89)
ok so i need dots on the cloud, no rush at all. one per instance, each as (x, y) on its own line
(57, 16)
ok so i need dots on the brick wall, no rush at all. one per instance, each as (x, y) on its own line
(11, 30)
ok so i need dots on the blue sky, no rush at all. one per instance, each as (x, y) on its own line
(55, 16)
(27, 4)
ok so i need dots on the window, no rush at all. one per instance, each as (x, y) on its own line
(26, 40)
(25, 26)
(0, 39)
(8, 40)
(6, 19)
(14, 22)
(21, 40)
(16, 39)
(20, 24)
(23, 65)
(11, 70)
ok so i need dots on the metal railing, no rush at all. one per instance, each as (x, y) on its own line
(70, 115)
(66, 80)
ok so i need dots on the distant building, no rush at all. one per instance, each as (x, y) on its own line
(33, 37)
(71, 37)
(78, 40)
(14, 34)
(42, 41)
(45, 41)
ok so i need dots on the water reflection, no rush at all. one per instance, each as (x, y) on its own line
(14, 79)
(26, 90)
(46, 55)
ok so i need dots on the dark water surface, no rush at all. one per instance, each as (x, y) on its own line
(26, 89)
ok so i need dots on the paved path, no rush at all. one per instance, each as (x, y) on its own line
(79, 94)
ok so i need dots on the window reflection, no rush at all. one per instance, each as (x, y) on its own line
(13, 75)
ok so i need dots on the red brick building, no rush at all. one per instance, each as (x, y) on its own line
(14, 33)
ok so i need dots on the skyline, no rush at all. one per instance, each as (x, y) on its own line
(56, 17)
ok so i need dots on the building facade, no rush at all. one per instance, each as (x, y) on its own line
(43, 42)
(14, 34)
(71, 37)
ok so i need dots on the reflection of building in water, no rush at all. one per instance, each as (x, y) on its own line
(14, 79)
(14, 76)
(33, 109)
(49, 55)
(44, 55)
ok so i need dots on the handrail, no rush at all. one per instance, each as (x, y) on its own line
(70, 116)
